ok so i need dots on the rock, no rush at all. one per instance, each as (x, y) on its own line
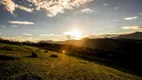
(54, 55)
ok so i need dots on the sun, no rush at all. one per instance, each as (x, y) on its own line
(74, 34)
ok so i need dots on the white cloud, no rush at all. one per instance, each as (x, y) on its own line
(14, 26)
(33, 38)
(86, 10)
(105, 4)
(50, 7)
(20, 38)
(130, 18)
(3, 26)
(47, 35)
(44, 35)
(21, 22)
(116, 8)
(9, 5)
(54, 37)
(24, 8)
(140, 13)
(26, 34)
(115, 20)
(53, 7)
(132, 27)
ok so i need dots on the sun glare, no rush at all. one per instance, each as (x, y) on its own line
(74, 34)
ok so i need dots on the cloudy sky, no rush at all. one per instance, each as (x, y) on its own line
(50, 19)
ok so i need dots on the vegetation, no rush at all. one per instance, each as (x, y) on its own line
(19, 66)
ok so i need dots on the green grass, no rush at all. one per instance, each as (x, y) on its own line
(45, 67)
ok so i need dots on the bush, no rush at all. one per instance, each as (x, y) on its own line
(45, 51)
(34, 54)
(54, 56)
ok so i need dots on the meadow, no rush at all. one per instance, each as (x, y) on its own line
(17, 63)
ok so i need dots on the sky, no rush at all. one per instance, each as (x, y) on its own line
(49, 19)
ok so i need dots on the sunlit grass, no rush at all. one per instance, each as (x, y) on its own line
(48, 68)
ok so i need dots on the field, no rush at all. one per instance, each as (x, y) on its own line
(17, 63)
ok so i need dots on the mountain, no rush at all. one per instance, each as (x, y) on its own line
(136, 35)
(46, 41)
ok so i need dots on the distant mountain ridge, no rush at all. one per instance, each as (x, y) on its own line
(136, 35)
(112, 43)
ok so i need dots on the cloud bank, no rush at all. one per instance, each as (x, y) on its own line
(132, 27)
(26, 34)
(86, 10)
(50, 7)
(46, 35)
(130, 18)
(21, 22)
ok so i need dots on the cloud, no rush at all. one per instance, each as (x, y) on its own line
(33, 38)
(115, 20)
(24, 8)
(140, 13)
(54, 37)
(9, 5)
(44, 35)
(132, 27)
(105, 4)
(14, 26)
(21, 22)
(0, 33)
(86, 10)
(50, 7)
(47, 35)
(130, 18)
(53, 7)
(116, 8)
(26, 34)
(20, 38)
(3, 26)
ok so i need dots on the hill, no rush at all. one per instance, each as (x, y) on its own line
(136, 35)
(18, 65)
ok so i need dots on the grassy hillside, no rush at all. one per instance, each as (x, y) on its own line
(16, 63)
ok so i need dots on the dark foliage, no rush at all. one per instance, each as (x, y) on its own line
(34, 54)
(29, 77)
(54, 56)
(46, 51)
(3, 57)
(7, 48)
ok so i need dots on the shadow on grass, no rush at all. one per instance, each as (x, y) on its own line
(29, 77)
(112, 64)
(4, 57)
(30, 57)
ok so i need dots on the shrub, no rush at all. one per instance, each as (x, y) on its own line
(34, 54)
(54, 55)
(45, 51)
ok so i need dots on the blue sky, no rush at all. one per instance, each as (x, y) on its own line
(39, 20)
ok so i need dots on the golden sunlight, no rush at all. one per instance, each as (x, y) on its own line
(74, 34)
